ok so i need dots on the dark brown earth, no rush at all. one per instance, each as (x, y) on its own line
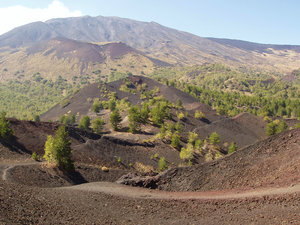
(28, 196)
(272, 162)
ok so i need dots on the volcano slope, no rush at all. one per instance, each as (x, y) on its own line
(244, 129)
(272, 162)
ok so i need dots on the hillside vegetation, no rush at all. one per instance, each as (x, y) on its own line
(231, 91)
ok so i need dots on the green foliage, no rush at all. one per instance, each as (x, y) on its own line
(127, 88)
(96, 105)
(84, 123)
(179, 104)
(218, 155)
(282, 126)
(36, 118)
(67, 119)
(6, 132)
(180, 116)
(198, 144)
(22, 99)
(271, 129)
(112, 105)
(178, 126)
(97, 125)
(276, 127)
(192, 137)
(35, 156)
(115, 119)
(297, 125)
(187, 153)
(199, 114)
(232, 147)
(232, 92)
(175, 140)
(214, 138)
(159, 112)
(119, 160)
(134, 117)
(58, 149)
(162, 164)
(145, 113)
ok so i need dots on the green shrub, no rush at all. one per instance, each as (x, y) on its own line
(97, 125)
(276, 127)
(84, 123)
(180, 116)
(175, 140)
(179, 104)
(35, 156)
(192, 137)
(199, 114)
(187, 153)
(214, 138)
(36, 118)
(96, 105)
(232, 147)
(162, 164)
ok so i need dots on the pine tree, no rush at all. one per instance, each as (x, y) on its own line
(96, 105)
(175, 140)
(271, 128)
(5, 131)
(58, 149)
(134, 117)
(179, 104)
(145, 113)
(97, 125)
(115, 119)
(214, 138)
(84, 123)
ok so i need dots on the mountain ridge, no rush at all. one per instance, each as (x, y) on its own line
(159, 42)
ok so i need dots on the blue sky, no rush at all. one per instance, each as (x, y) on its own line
(264, 21)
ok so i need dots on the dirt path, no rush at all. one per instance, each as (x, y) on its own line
(143, 193)
(5, 167)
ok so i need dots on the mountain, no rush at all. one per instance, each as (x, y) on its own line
(69, 58)
(160, 42)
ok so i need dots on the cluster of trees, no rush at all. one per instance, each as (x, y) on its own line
(67, 119)
(32, 97)
(276, 127)
(226, 89)
(233, 103)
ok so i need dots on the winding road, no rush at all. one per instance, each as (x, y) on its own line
(143, 193)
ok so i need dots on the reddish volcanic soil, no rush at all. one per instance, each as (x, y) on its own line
(266, 174)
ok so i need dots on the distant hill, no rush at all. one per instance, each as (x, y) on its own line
(244, 129)
(160, 42)
(69, 58)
